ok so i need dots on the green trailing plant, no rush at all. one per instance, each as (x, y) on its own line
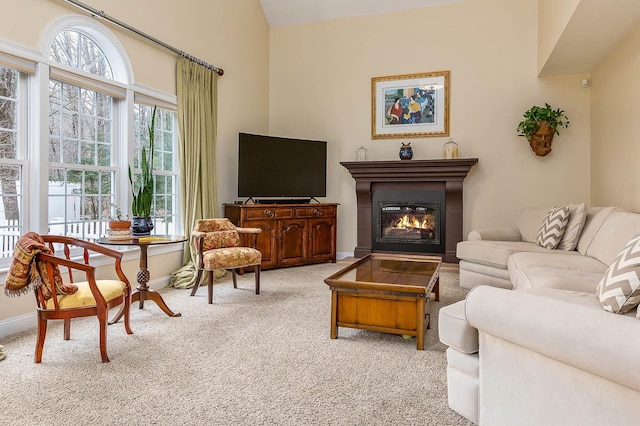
(118, 216)
(530, 123)
(143, 194)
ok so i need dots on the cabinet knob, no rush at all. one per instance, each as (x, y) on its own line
(269, 213)
(315, 212)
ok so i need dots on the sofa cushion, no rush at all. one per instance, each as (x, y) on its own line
(619, 289)
(570, 327)
(494, 253)
(595, 218)
(613, 235)
(553, 227)
(454, 331)
(529, 222)
(570, 260)
(558, 278)
(577, 218)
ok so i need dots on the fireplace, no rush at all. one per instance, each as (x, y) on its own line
(408, 221)
(430, 190)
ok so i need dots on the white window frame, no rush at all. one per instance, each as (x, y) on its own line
(35, 126)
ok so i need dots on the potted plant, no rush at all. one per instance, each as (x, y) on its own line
(118, 221)
(143, 194)
(539, 125)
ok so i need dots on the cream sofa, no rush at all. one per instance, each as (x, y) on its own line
(546, 353)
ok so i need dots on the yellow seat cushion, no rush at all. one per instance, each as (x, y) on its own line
(110, 289)
(231, 257)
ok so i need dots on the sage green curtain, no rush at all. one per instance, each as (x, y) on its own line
(197, 122)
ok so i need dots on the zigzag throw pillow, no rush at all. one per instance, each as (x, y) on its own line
(553, 227)
(619, 289)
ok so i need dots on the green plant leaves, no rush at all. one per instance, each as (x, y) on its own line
(531, 118)
(143, 195)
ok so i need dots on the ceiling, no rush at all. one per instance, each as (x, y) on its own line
(281, 13)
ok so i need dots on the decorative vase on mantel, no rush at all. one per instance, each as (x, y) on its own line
(406, 152)
(141, 226)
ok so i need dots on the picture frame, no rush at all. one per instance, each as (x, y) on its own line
(410, 105)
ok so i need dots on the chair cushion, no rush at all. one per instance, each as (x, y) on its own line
(214, 225)
(219, 239)
(231, 257)
(110, 289)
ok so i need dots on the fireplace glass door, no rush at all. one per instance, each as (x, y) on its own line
(408, 221)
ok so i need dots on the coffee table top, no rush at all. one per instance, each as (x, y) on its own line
(389, 272)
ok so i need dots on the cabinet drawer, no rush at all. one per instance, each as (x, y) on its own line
(269, 213)
(315, 211)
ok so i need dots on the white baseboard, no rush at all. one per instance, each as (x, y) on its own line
(28, 321)
(18, 324)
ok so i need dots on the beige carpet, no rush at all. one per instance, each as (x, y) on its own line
(247, 359)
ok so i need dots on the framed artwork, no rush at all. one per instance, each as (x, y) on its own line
(410, 105)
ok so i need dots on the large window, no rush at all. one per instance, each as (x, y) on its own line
(81, 161)
(81, 170)
(165, 165)
(96, 126)
(11, 159)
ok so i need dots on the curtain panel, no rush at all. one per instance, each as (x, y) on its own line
(197, 122)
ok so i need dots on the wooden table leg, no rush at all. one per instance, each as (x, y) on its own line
(334, 311)
(420, 323)
(143, 292)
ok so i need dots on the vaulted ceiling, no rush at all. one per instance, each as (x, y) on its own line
(291, 12)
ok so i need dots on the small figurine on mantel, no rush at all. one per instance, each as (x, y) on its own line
(450, 149)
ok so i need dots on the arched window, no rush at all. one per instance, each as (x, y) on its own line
(82, 138)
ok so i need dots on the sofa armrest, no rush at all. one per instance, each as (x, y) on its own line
(495, 234)
(570, 327)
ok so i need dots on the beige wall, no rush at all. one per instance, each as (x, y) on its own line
(615, 126)
(321, 88)
(233, 35)
(553, 16)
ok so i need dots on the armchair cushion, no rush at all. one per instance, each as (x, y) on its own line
(110, 289)
(236, 257)
(218, 239)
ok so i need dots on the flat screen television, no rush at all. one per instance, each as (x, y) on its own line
(270, 166)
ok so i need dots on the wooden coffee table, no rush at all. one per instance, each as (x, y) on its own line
(389, 293)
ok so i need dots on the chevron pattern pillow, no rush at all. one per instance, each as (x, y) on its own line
(619, 289)
(553, 227)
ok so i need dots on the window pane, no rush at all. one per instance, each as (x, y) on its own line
(76, 50)
(8, 112)
(80, 198)
(165, 174)
(10, 174)
(10, 202)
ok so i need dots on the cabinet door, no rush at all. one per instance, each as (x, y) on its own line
(267, 241)
(293, 238)
(322, 240)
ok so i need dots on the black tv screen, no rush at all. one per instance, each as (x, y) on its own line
(270, 166)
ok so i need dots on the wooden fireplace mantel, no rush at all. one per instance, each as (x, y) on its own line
(400, 174)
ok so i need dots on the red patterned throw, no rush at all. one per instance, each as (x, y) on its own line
(25, 274)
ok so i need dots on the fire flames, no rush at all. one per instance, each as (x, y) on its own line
(412, 222)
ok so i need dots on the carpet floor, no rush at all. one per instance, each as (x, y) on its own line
(247, 359)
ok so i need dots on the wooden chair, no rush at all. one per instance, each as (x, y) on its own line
(219, 245)
(93, 298)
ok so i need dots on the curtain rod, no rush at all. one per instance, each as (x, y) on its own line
(101, 14)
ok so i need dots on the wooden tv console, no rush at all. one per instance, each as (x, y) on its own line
(292, 234)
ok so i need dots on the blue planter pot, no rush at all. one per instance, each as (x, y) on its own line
(141, 226)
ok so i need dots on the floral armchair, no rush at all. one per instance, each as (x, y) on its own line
(219, 244)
